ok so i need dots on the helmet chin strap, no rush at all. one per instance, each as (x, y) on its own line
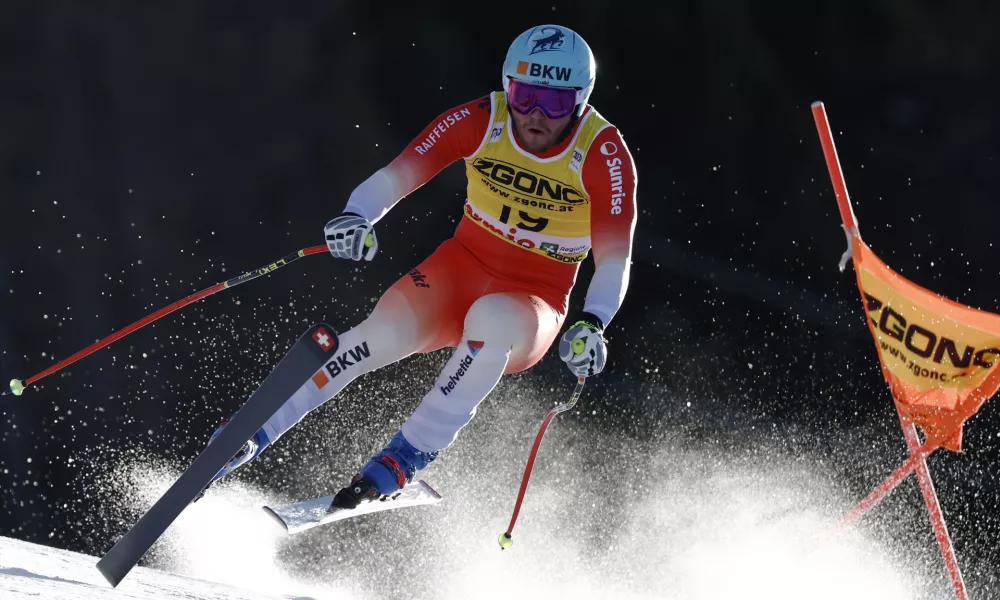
(568, 129)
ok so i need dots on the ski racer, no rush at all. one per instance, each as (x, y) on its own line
(549, 181)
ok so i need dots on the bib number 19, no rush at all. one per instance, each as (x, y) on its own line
(528, 223)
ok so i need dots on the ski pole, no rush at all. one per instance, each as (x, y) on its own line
(505, 539)
(17, 386)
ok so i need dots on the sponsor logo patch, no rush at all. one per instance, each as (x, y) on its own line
(544, 72)
(457, 376)
(419, 279)
(496, 131)
(348, 359)
(576, 161)
(512, 179)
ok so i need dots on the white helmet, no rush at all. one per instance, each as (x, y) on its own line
(552, 55)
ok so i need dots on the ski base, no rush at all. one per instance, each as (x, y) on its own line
(307, 514)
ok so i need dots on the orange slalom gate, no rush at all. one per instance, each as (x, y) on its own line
(938, 357)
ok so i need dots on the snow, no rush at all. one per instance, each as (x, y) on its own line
(708, 532)
(35, 571)
(606, 516)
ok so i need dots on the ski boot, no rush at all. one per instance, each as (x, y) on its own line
(385, 473)
(250, 450)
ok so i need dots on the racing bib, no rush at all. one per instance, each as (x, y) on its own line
(539, 204)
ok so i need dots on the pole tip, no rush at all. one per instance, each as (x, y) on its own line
(16, 386)
(816, 104)
(505, 541)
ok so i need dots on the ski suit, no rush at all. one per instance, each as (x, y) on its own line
(497, 291)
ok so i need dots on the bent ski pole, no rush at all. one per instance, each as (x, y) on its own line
(17, 386)
(505, 539)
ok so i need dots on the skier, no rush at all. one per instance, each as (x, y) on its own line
(549, 179)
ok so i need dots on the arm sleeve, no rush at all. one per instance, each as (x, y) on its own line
(454, 134)
(610, 179)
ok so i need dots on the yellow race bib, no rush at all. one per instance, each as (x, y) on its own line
(539, 204)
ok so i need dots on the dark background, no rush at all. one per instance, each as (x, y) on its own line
(149, 150)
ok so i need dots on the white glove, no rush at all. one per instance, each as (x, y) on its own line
(351, 236)
(583, 349)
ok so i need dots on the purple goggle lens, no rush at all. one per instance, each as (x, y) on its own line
(554, 102)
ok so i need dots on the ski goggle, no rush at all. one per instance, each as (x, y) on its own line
(554, 102)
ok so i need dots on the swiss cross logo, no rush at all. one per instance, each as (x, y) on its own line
(323, 339)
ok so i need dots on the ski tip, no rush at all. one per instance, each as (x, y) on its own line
(270, 512)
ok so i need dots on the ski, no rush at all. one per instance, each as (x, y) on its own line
(300, 516)
(309, 353)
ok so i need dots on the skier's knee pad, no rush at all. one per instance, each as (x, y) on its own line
(500, 319)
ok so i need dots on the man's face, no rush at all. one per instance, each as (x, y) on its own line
(536, 132)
